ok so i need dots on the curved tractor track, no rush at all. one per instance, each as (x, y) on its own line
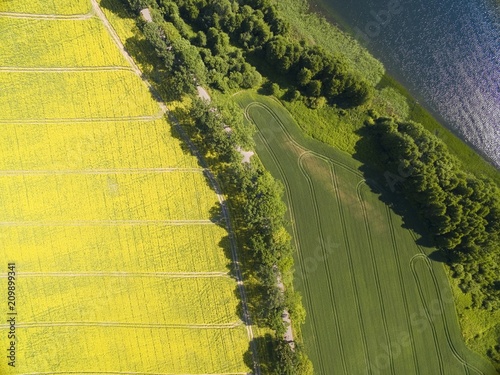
(371, 308)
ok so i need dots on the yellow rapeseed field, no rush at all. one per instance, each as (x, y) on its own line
(87, 145)
(62, 7)
(122, 262)
(36, 43)
(104, 294)
(139, 195)
(112, 248)
(73, 95)
(99, 350)
(126, 28)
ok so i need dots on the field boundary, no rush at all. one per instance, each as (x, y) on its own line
(90, 223)
(159, 115)
(100, 171)
(180, 275)
(113, 68)
(125, 324)
(59, 17)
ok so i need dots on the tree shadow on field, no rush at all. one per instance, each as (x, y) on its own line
(265, 354)
(439, 256)
(381, 181)
(186, 150)
(216, 216)
(143, 54)
(117, 7)
(255, 300)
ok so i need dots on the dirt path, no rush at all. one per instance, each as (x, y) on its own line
(76, 17)
(225, 212)
(288, 336)
(89, 223)
(99, 171)
(73, 120)
(64, 70)
(123, 324)
(172, 275)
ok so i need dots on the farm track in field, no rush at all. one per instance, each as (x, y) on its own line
(173, 275)
(373, 259)
(59, 17)
(11, 69)
(103, 223)
(125, 373)
(125, 324)
(232, 242)
(467, 366)
(351, 270)
(99, 171)
(306, 152)
(375, 264)
(403, 264)
(75, 121)
(320, 232)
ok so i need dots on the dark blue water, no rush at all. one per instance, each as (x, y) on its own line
(446, 52)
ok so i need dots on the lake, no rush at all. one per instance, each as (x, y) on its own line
(446, 52)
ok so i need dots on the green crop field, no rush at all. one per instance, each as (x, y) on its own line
(376, 303)
(116, 257)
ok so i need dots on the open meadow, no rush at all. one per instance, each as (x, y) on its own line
(376, 303)
(117, 257)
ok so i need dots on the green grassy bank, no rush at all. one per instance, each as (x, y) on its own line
(337, 128)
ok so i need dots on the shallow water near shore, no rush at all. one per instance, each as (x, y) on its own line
(447, 53)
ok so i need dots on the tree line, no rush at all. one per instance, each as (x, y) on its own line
(257, 210)
(461, 210)
(253, 195)
(219, 37)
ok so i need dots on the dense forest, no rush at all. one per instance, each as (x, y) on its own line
(461, 210)
(215, 40)
(229, 44)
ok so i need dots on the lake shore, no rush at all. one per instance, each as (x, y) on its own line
(432, 120)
